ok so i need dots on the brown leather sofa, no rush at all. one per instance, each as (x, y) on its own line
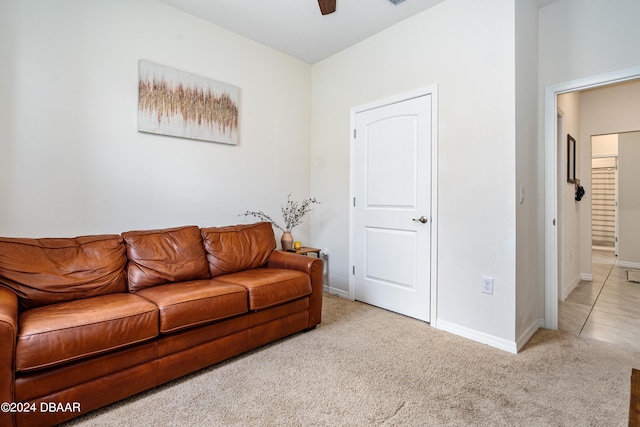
(88, 321)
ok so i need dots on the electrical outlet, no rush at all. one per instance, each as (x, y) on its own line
(487, 285)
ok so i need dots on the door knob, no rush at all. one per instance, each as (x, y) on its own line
(423, 219)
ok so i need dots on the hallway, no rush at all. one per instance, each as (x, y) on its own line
(606, 309)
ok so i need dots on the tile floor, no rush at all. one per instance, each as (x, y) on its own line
(606, 309)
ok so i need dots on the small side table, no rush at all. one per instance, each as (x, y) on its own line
(306, 251)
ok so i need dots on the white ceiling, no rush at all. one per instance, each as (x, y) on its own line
(297, 28)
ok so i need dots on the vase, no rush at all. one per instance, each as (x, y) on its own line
(286, 241)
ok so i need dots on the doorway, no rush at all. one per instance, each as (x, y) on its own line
(551, 193)
(393, 215)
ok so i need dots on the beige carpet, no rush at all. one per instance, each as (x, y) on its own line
(368, 367)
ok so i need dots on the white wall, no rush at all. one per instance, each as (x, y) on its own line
(6, 112)
(529, 244)
(72, 160)
(629, 198)
(569, 210)
(579, 39)
(604, 146)
(466, 48)
(582, 38)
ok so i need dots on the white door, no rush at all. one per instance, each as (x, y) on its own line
(392, 207)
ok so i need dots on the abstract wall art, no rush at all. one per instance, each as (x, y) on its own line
(177, 103)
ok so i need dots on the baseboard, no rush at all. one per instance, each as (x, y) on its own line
(339, 292)
(586, 277)
(567, 291)
(528, 333)
(480, 337)
(628, 264)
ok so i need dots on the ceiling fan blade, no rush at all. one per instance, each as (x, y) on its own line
(327, 6)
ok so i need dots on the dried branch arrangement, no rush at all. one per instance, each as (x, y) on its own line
(293, 213)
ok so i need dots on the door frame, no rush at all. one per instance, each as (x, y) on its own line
(550, 177)
(433, 92)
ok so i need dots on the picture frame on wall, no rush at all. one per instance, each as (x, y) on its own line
(571, 159)
(176, 103)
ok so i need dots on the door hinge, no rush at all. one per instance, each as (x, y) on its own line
(354, 134)
(353, 270)
(354, 202)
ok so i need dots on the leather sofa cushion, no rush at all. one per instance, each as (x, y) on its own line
(48, 271)
(196, 302)
(67, 331)
(237, 248)
(270, 286)
(164, 256)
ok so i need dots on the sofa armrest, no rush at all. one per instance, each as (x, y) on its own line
(8, 336)
(314, 267)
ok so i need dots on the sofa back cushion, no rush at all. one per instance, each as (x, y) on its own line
(50, 270)
(164, 256)
(239, 247)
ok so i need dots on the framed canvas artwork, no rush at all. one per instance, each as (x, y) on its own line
(177, 103)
